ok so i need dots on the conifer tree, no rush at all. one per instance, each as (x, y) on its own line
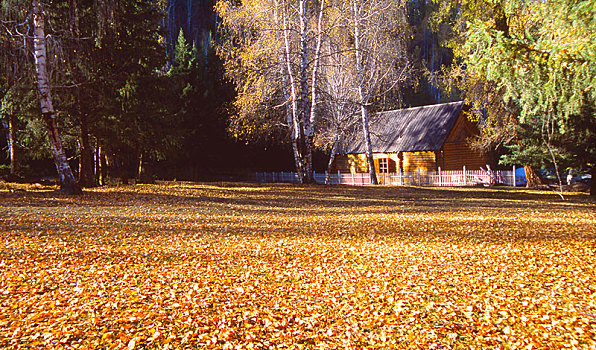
(545, 61)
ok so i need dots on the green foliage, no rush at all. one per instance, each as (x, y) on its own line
(196, 90)
(21, 103)
(545, 61)
(185, 55)
(106, 59)
(531, 148)
(529, 70)
(581, 137)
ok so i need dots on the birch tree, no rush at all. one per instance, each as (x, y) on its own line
(378, 44)
(272, 51)
(95, 54)
(68, 182)
(339, 112)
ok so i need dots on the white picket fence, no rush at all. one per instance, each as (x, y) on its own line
(445, 178)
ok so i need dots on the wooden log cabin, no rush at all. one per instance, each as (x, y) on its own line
(415, 139)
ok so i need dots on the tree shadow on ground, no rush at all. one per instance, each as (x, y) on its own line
(280, 197)
(252, 210)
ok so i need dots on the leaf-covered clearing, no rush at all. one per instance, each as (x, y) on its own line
(230, 266)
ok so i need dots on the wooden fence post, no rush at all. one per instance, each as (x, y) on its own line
(440, 179)
(514, 177)
(465, 177)
(338, 178)
(418, 176)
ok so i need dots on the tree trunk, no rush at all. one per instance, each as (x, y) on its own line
(122, 169)
(291, 117)
(68, 183)
(593, 184)
(369, 153)
(332, 158)
(363, 99)
(533, 179)
(298, 161)
(306, 130)
(97, 164)
(86, 173)
(188, 18)
(144, 174)
(86, 168)
(292, 106)
(311, 118)
(11, 144)
(100, 165)
(169, 27)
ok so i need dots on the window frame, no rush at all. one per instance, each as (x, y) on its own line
(384, 165)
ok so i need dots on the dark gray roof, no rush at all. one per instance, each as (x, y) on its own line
(408, 130)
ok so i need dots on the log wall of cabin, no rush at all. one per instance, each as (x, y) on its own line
(424, 161)
(456, 150)
(350, 163)
(456, 155)
(357, 163)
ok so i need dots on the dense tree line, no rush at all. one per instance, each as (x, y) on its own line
(124, 98)
(137, 83)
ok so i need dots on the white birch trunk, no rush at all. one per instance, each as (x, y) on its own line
(309, 132)
(315, 71)
(11, 144)
(362, 97)
(292, 111)
(68, 183)
(303, 105)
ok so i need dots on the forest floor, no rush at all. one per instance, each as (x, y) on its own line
(229, 266)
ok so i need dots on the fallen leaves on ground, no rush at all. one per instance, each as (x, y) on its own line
(188, 266)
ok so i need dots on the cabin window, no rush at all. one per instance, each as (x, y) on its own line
(383, 165)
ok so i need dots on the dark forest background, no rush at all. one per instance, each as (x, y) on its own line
(174, 123)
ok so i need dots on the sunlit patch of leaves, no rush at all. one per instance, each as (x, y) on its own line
(185, 265)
